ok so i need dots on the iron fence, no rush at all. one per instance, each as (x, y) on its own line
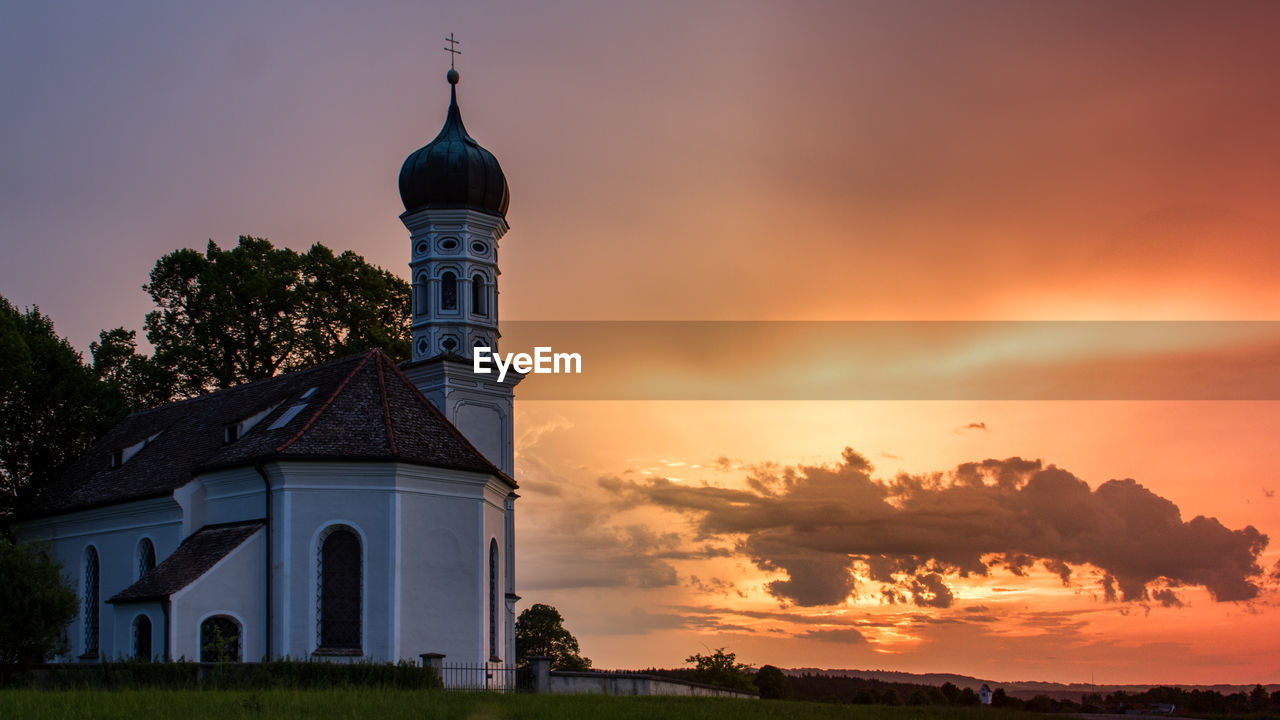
(490, 677)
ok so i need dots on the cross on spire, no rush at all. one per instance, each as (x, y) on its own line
(452, 49)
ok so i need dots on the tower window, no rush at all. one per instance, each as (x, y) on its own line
(340, 588)
(420, 293)
(479, 248)
(478, 296)
(448, 291)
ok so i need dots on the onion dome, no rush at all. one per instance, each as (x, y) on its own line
(453, 171)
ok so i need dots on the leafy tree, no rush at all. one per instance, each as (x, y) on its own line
(950, 692)
(540, 631)
(141, 381)
(231, 316)
(36, 603)
(52, 407)
(773, 683)
(999, 698)
(721, 668)
(1258, 698)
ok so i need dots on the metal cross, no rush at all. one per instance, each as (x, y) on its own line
(452, 49)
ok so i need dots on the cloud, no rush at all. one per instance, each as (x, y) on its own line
(837, 532)
(973, 426)
(841, 635)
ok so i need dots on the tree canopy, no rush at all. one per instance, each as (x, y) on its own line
(52, 406)
(723, 669)
(540, 631)
(36, 603)
(223, 317)
(227, 317)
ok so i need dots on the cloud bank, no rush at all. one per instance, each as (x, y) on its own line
(837, 532)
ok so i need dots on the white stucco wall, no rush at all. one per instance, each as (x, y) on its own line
(115, 533)
(233, 587)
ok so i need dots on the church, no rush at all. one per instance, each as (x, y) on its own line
(356, 510)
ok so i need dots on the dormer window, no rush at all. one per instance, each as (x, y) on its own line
(231, 433)
(122, 456)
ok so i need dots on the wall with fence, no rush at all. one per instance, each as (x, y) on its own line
(613, 683)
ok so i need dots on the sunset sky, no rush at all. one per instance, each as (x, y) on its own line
(769, 161)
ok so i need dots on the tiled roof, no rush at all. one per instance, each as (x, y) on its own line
(362, 408)
(193, 558)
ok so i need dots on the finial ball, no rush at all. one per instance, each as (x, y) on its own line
(452, 76)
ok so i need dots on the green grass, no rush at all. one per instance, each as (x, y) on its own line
(386, 704)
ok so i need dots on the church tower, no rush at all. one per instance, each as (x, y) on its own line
(455, 205)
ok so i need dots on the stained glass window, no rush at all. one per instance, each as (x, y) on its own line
(493, 598)
(142, 637)
(146, 557)
(91, 601)
(340, 579)
(220, 639)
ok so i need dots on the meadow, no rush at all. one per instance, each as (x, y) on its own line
(391, 704)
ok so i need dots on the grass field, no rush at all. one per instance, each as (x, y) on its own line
(376, 704)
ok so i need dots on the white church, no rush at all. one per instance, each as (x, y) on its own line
(353, 510)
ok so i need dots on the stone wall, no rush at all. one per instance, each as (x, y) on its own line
(606, 683)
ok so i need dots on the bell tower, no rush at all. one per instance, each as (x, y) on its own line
(455, 205)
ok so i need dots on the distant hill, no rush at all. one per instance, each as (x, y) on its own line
(1024, 689)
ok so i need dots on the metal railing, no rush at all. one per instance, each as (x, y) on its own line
(488, 677)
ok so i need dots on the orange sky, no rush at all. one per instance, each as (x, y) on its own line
(731, 161)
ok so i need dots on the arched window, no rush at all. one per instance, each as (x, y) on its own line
(448, 291)
(220, 639)
(493, 598)
(146, 557)
(142, 638)
(91, 601)
(478, 296)
(420, 296)
(340, 580)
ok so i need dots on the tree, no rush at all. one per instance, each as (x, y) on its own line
(36, 604)
(227, 317)
(52, 406)
(721, 668)
(141, 381)
(540, 631)
(773, 683)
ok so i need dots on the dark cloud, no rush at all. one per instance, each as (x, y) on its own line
(840, 635)
(579, 548)
(973, 426)
(826, 526)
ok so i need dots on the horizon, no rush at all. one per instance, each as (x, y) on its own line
(903, 163)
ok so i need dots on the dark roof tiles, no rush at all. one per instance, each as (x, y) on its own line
(193, 558)
(364, 408)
